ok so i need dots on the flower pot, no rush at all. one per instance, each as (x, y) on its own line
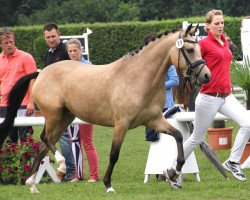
(246, 153)
(220, 138)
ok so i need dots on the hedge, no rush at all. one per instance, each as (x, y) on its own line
(110, 41)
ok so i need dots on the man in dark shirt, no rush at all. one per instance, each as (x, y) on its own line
(57, 52)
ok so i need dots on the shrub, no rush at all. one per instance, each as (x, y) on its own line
(16, 160)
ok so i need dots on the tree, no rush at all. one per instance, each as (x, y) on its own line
(76, 11)
(8, 12)
(29, 12)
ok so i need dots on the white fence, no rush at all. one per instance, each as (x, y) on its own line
(40, 121)
(36, 121)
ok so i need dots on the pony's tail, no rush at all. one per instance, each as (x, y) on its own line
(15, 99)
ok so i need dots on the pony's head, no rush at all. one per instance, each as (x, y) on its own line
(186, 57)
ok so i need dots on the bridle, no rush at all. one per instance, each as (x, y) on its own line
(188, 76)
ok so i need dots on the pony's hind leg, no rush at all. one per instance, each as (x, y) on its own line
(41, 153)
(54, 130)
(118, 137)
(61, 170)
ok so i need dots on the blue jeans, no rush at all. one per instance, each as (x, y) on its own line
(67, 152)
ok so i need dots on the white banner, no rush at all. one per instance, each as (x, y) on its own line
(245, 38)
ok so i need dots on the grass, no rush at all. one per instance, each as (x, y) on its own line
(128, 176)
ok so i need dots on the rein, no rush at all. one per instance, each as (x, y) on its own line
(191, 66)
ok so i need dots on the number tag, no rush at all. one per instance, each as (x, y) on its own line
(179, 43)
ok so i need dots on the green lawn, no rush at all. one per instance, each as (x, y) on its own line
(128, 177)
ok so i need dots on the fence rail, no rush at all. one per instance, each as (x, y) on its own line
(36, 121)
(40, 121)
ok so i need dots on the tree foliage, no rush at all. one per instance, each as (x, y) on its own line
(30, 12)
(76, 11)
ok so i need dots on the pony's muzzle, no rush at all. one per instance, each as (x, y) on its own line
(207, 77)
(204, 76)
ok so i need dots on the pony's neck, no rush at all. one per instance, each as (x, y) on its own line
(157, 57)
(150, 64)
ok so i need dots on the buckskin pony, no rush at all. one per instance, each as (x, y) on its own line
(124, 94)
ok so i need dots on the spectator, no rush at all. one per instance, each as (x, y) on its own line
(172, 80)
(84, 131)
(14, 64)
(57, 52)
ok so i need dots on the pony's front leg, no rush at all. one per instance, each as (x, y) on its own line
(41, 152)
(118, 137)
(180, 153)
(172, 174)
(162, 125)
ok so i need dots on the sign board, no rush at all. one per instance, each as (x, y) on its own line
(83, 39)
(200, 33)
(245, 41)
(163, 153)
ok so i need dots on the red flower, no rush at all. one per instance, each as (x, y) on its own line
(26, 155)
(8, 150)
(35, 146)
(31, 131)
(30, 140)
(22, 143)
(15, 160)
(27, 167)
(14, 149)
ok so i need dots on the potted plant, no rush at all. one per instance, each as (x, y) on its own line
(220, 136)
(240, 74)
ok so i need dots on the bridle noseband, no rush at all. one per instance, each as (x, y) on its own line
(188, 77)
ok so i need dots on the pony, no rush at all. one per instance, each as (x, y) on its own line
(124, 94)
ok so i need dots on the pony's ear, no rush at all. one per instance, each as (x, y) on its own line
(193, 30)
(188, 29)
(196, 28)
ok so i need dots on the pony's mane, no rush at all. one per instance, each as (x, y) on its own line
(132, 53)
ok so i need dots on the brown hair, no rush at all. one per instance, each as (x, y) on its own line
(6, 32)
(50, 26)
(210, 15)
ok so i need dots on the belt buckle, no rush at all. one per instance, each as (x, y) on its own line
(217, 94)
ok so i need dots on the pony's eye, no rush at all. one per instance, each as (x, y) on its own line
(190, 50)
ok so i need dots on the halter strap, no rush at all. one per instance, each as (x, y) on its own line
(190, 66)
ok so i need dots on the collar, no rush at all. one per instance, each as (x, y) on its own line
(82, 59)
(55, 49)
(223, 38)
(15, 54)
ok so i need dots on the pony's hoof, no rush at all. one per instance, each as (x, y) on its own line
(171, 174)
(34, 190)
(60, 175)
(175, 181)
(109, 190)
(30, 181)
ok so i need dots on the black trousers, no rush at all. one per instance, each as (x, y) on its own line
(16, 132)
